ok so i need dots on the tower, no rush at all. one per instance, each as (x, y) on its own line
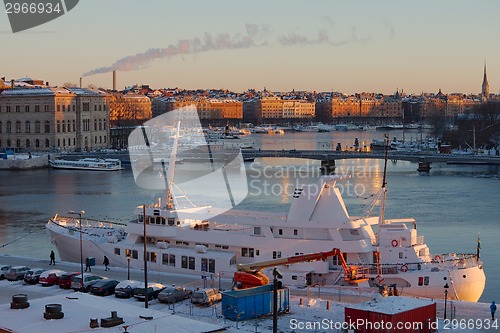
(485, 91)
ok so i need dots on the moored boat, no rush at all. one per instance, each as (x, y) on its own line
(93, 164)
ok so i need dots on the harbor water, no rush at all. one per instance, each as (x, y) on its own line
(453, 205)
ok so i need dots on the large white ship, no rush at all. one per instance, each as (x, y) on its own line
(183, 240)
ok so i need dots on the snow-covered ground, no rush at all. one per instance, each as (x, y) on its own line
(78, 308)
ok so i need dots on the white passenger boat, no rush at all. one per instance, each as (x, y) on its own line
(183, 240)
(95, 164)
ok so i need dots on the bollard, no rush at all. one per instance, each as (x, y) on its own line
(19, 301)
(93, 323)
(301, 301)
(328, 305)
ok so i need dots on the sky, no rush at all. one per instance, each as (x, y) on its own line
(320, 45)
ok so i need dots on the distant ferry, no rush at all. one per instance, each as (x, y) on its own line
(94, 164)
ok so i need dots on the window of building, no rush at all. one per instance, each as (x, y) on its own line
(204, 264)
(95, 107)
(172, 260)
(37, 126)
(1, 127)
(58, 108)
(280, 231)
(8, 143)
(95, 124)
(256, 231)
(47, 126)
(192, 263)
(135, 254)
(18, 127)
(9, 127)
(46, 108)
(64, 126)
(28, 143)
(37, 143)
(58, 126)
(7, 108)
(151, 256)
(295, 232)
(164, 259)
(27, 127)
(211, 265)
(74, 126)
(37, 108)
(47, 143)
(64, 108)
(18, 143)
(18, 108)
(184, 262)
(117, 251)
(69, 126)
(86, 106)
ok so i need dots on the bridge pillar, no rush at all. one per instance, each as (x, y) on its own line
(327, 166)
(424, 166)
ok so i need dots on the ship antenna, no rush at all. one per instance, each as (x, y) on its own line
(381, 219)
(170, 175)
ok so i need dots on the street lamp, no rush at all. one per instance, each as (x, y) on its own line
(81, 242)
(128, 266)
(445, 298)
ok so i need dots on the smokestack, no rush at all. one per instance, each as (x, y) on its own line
(80, 83)
(114, 80)
(12, 83)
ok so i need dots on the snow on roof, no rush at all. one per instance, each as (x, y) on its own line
(29, 91)
(78, 311)
(391, 304)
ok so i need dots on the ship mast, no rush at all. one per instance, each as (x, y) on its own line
(169, 176)
(381, 219)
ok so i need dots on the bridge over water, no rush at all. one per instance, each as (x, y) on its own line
(328, 158)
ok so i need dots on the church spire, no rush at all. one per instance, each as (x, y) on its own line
(485, 91)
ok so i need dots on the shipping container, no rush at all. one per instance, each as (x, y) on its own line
(253, 302)
(392, 314)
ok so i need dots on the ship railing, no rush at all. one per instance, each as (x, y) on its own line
(460, 260)
(420, 240)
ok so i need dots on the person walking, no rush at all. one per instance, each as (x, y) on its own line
(87, 265)
(106, 263)
(52, 258)
(493, 308)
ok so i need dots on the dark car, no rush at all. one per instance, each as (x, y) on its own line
(32, 276)
(174, 294)
(125, 289)
(104, 287)
(65, 280)
(152, 291)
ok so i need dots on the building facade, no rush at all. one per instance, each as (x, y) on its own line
(54, 119)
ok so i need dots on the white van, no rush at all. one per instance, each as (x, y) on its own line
(206, 296)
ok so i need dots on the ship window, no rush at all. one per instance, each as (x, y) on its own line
(232, 261)
(295, 232)
(280, 231)
(171, 221)
(400, 255)
(256, 230)
(276, 254)
(204, 265)
(225, 247)
(211, 265)
(294, 277)
(117, 251)
(172, 260)
(135, 254)
(250, 252)
(128, 253)
(191, 263)
(164, 259)
(218, 246)
(420, 280)
(244, 252)
(184, 262)
(257, 252)
(426, 281)
(140, 218)
(354, 232)
(272, 230)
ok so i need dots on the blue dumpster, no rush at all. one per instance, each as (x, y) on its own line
(253, 302)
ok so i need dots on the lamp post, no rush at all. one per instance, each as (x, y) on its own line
(128, 266)
(81, 242)
(445, 298)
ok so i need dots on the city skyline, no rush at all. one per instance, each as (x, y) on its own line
(346, 47)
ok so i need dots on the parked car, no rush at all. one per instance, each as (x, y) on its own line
(51, 277)
(65, 280)
(32, 275)
(125, 289)
(206, 296)
(4, 269)
(152, 291)
(104, 287)
(174, 294)
(88, 281)
(17, 273)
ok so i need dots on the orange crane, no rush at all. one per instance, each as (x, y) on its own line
(250, 275)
